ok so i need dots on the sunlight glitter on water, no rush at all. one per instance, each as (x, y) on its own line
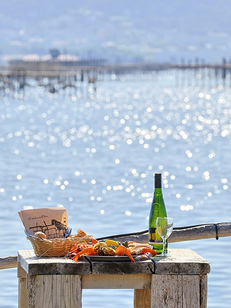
(96, 156)
(187, 116)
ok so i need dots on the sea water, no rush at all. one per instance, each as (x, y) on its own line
(95, 151)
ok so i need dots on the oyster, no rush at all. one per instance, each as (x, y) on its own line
(108, 251)
(98, 248)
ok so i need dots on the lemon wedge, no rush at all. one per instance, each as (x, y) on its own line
(111, 243)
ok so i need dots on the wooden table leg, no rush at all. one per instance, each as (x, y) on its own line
(176, 291)
(142, 298)
(22, 293)
(22, 290)
(54, 291)
(203, 290)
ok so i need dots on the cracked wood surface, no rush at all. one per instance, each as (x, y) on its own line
(179, 262)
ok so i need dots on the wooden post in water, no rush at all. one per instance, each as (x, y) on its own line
(202, 73)
(189, 74)
(196, 71)
(224, 72)
(182, 72)
(216, 76)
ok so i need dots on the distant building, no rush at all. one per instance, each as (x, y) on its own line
(52, 61)
(54, 53)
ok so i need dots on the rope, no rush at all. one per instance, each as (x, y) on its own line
(216, 228)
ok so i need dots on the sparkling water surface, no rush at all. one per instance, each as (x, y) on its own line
(95, 154)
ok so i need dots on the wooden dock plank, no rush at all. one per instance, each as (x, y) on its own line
(51, 266)
(135, 281)
(142, 298)
(76, 292)
(185, 261)
(166, 291)
(22, 293)
(191, 291)
(203, 290)
(54, 291)
(43, 291)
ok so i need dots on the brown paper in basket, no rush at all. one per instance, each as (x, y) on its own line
(51, 221)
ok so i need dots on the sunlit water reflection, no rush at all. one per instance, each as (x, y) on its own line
(96, 156)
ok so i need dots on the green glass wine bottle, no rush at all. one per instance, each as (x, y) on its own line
(157, 210)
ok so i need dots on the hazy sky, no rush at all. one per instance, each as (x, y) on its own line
(148, 30)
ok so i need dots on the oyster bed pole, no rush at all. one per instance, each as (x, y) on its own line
(191, 233)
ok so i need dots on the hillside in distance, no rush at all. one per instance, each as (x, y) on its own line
(147, 30)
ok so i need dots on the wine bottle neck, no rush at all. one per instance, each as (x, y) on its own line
(158, 191)
(157, 180)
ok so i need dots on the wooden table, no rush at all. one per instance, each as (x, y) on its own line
(177, 281)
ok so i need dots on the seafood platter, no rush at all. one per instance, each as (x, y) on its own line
(108, 250)
(52, 238)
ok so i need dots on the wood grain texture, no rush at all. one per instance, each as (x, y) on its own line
(191, 291)
(32, 286)
(118, 268)
(22, 287)
(55, 291)
(21, 273)
(8, 262)
(203, 290)
(43, 291)
(175, 291)
(51, 266)
(142, 298)
(76, 292)
(179, 261)
(22, 293)
(166, 291)
(135, 281)
(182, 261)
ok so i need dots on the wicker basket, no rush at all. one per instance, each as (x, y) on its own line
(56, 247)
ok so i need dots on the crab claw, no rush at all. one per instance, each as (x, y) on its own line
(87, 252)
(121, 251)
(78, 247)
(148, 250)
(94, 241)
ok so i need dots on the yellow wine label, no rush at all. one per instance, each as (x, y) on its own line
(154, 237)
(152, 234)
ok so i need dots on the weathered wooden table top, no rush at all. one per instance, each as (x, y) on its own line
(179, 262)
